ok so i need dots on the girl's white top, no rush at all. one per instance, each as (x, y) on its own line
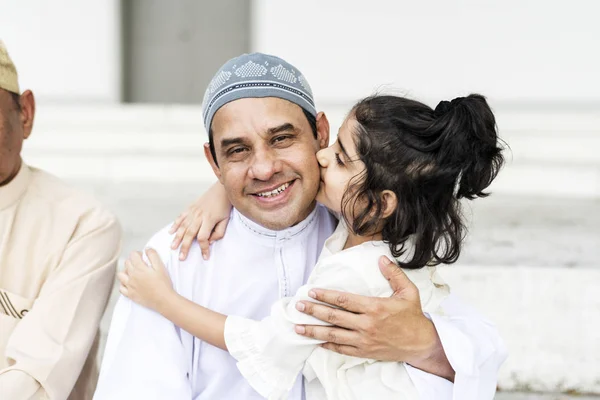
(270, 354)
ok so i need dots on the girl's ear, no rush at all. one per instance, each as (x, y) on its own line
(390, 202)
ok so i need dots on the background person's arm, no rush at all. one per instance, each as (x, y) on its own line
(49, 346)
(21, 384)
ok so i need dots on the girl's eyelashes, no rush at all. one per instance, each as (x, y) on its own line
(338, 159)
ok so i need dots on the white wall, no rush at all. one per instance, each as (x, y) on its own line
(66, 50)
(536, 61)
(515, 51)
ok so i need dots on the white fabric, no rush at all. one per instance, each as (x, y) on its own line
(148, 358)
(271, 355)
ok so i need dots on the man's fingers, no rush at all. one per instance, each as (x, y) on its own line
(348, 301)
(328, 334)
(331, 315)
(123, 291)
(342, 349)
(394, 274)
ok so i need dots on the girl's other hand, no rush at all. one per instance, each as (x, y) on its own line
(205, 220)
(147, 285)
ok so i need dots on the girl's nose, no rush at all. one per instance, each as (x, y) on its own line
(322, 158)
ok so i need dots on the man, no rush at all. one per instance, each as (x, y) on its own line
(58, 255)
(264, 132)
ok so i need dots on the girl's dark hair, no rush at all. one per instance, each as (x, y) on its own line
(430, 159)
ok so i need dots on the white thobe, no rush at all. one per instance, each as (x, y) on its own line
(147, 357)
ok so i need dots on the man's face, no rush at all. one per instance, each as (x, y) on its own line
(11, 137)
(265, 152)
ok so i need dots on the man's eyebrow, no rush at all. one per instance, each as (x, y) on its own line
(281, 128)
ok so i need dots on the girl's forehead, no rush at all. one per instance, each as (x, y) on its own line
(347, 130)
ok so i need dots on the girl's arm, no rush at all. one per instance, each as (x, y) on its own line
(150, 286)
(204, 220)
(199, 321)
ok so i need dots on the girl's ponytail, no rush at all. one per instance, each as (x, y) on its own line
(469, 144)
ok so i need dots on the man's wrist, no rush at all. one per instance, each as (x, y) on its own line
(430, 356)
(428, 342)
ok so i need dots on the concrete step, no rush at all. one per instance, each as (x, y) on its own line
(548, 318)
(543, 396)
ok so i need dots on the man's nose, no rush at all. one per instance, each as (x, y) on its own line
(265, 165)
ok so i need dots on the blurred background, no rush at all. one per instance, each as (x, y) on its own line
(119, 85)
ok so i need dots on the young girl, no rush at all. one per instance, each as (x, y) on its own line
(395, 175)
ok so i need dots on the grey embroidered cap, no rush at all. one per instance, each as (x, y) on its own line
(256, 75)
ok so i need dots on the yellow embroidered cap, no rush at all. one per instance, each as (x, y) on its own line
(8, 73)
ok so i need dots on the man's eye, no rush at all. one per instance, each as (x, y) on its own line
(237, 150)
(282, 138)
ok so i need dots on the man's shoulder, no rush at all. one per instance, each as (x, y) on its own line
(326, 221)
(162, 237)
(325, 215)
(68, 202)
(161, 242)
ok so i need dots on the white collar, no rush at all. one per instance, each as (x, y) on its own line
(268, 235)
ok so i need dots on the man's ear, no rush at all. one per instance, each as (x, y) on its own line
(390, 202)
(211, 161)
(27, 103)
(322, 130)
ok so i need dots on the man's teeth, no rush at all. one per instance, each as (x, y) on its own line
(274, 192)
